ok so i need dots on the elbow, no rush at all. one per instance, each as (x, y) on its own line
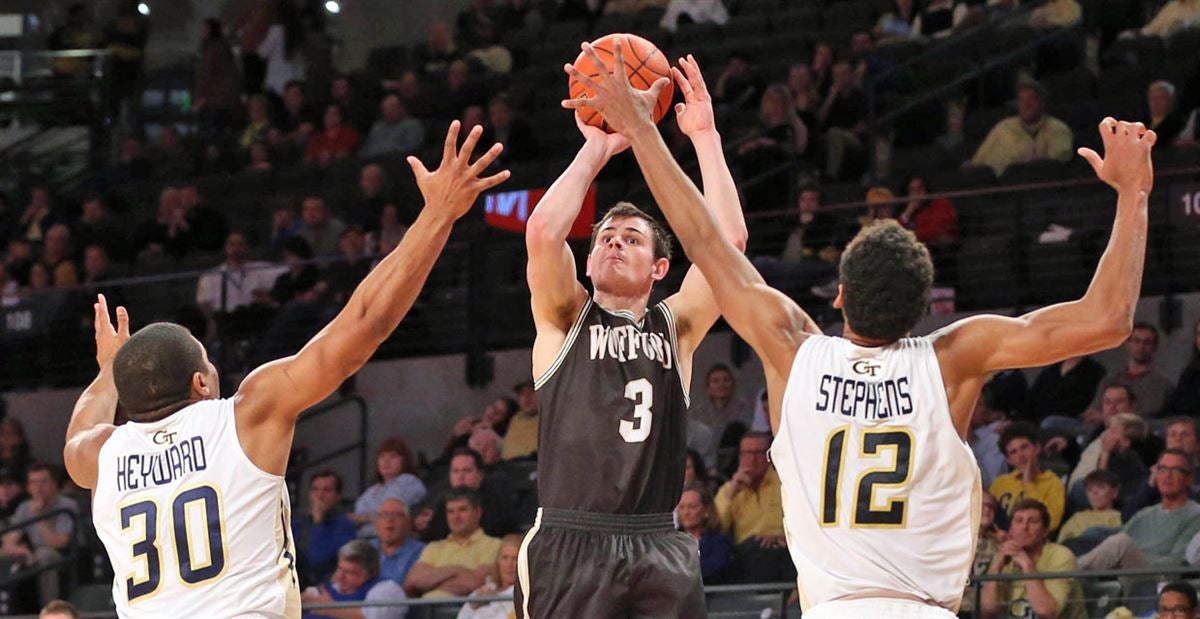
(537, 230)
(1118, 326)
(739, 237)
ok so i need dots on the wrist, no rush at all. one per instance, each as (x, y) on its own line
(705, 137)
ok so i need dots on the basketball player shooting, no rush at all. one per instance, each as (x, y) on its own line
(612, 376)
(881, 491)
(189, 496)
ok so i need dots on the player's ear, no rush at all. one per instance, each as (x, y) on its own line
(660, 269)
(839, 301)
(201, 387)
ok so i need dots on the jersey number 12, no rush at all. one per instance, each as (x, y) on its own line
(872, 445)
(191, 571)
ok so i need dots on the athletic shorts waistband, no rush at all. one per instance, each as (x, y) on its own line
(596, 522)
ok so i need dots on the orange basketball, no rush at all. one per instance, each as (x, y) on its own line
(644, 64)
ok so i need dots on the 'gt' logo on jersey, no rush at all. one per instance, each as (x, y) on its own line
(864, 367)
(162, 437)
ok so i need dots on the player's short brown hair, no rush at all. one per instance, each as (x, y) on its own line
(154, 369)
(662, 238)
(886, 276)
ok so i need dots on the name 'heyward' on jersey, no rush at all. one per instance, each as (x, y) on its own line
(627, 343)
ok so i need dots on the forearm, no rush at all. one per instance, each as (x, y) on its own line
(988, 599)
(1115, 287)
(53, 538)
(97, 405)
(1043, 603)
(424, 578)
(720, 190)
(558, 209)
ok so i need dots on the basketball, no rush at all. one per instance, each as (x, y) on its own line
(644, 64)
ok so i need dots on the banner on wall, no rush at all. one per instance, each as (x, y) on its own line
(510, 210)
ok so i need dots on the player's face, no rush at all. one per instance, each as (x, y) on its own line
(691, 510)
(1182, 436)
(390, 464)
(1027, 529)
(461, 517)
(507, 562)
(392, 523)
(464, 473)
(349, 576)
(622, 261)
(1101, 496)
(1020, 452)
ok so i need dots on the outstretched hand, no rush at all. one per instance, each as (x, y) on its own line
(108, 338)
(695, 114)
(455, 185)
(626, 109)
(1126, 165)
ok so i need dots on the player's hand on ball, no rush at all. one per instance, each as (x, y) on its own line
(625, 108)
(1126, 165)
(108, 338)
(695, 114)
(455, 185)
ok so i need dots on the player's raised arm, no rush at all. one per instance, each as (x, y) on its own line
(1103, 317)
(92, 419)
(271, 397)
(694, 306)
(772, 324)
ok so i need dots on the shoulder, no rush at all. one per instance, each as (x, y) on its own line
(1056, 558)
(386, 589)
(1057, 124)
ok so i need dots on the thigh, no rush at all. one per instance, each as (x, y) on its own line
(565, 573)
(666, 577)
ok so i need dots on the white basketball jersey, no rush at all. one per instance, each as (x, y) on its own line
(880, 495)
(192, 527)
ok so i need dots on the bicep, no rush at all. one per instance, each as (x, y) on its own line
(555, 293)
(82, 452)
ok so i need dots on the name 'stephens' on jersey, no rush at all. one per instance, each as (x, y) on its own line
(626, 343)
(143, 470)
(852, 397)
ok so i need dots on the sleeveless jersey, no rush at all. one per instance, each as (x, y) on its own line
(613, 429)
(880, 494)
(193, 528)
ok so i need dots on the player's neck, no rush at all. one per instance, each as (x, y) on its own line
(162, 413)
(614, 302)
(858, 340)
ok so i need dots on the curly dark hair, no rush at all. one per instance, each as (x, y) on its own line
(662, 238)
(1014, 431)
(886, 276)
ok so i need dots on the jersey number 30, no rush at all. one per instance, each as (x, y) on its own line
(641, 391)
(200, 500)
(872, 445)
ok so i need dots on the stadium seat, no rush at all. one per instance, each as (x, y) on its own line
(1101, 596)
(1040, 171)
(796, 20)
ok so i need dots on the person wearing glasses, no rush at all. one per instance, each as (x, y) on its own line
(1157, 535)
(1177, 600)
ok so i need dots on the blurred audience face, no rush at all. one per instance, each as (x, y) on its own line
(260, 153)
(773, 108)
(1175, 605)
(189, 195)
(690, 511)
(1142, 344)
(333, 117)
(410, 85)
(464, 473)
(392, 523)
(1173, 476)
(439, 36)
(810, 201)
(41, 486)
(323, 493)
(1021, 452)
(352, 244)
(94, 211)
(1029, 105)
(390, 464)
(987, 512)
(822, 57)
(1115, 401)
(916, 187)
(843, 75)
(752, 457)
(1028, 530)
(371, 180)
(95, 261)
(1181, 435)
(457, 74)
(1160, 98)
(313, 212)
(861, 43)
(349, 576)
(527, 399)
(39, 198)
(256, 109)
(57, 243)
(720, 384)
(799, 78)
(340, 88)
(462, 517)
(391, 109)
(237, 249)
(1101, 495)
(389, 217)
(293, 98)
(495, 413)
(472, 116)
(506, 564)
(486, 443)
(500, 113)
(39, 276)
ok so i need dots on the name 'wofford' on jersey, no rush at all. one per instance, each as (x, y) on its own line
(627, 343)
(892, 507)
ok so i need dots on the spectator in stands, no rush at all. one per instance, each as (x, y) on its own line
(335, 141)
(485, 442)
(803, 89)
(1175, 15)
(39, 216)
(520, 440)
(357, 579)
(168, 157)
(413, 93)
(987, 544)
(880, 206)
(58, 609)
(1027, 551)
(1161, 112)
(323, 530)
(751, 509)
(39, 278)
(360, 111)
(97, 226)
(498, 413)
(258, 121)
(897, 23)
(398, 549)
(697, 513)
(695, 470)
(1031, 135)
(1157, 535)
(47, 539)
(1185, 400)
(1178, 600)
(475, 22)
(197, 225)
(353, 266)
(236, 283)
(693, 12)
(937, 19)
(215, 83)
(434, 55)
(300, 275)
(984, 439)
(395, 131)
(125, 38)
(18, 260)
(1113, 451)
(393, 479)
(458, 91)
(1056, 14)
(1181, 435)
(280, 49)
(780, 133)
(739, 86)
(1149, 386)
(57, 256)
(935, 222)
(284, 225)
(98, 269)
(260, 157)
(514, 133)
(12, 494)
(501, 582)
(816, 237)
(460, 563)
(1064, 390)
(15, 456)
(467, 472)
(1021, 447)
(390, 231)
(296, 120)
(1103, 488)
(489, 54)
(322, 230)
(843, 116)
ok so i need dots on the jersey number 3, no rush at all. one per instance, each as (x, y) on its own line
(202, 501)
(872, 445)
(642, 394)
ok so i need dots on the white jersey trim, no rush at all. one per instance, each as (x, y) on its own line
(572, 335)
(670, 317)
(523, 563)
